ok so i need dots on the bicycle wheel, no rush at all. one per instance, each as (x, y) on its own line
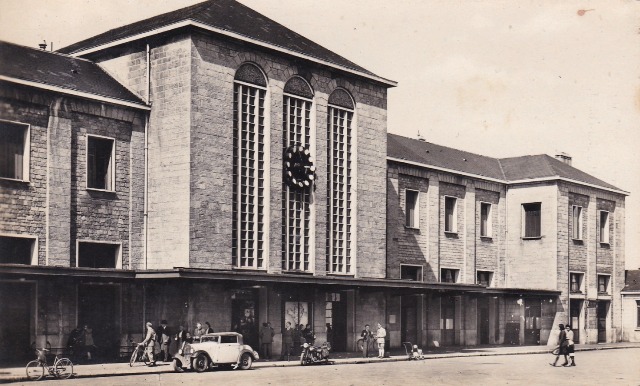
(64, 368)
(35, 370)
(134, 356)
(360, 344)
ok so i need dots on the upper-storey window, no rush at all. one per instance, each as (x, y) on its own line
(484, 278)
(450, 214)
(576, 222)
(248, 225)
(531, 224)
(576, 282)
(18, 250)
(603, 284)
(412, 209)
(604, 227)
(339, 182)
(14, 151)
(485, 220)
(100, 165)
(448, 275)
(296, 201)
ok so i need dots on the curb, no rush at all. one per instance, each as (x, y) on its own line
(349, 361)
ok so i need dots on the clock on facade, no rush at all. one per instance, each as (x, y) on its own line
(299, 170)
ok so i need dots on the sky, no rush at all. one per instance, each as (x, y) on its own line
(498, 78)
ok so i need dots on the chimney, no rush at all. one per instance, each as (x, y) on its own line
(564, 157)
(43, 45)
(420, 138)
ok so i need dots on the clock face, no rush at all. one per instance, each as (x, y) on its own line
(299, 170)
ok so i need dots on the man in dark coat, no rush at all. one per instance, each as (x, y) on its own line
(266, 339)
(287, 341)
(165, 340)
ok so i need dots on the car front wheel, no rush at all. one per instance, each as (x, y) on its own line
(245, 362)
(201, 363)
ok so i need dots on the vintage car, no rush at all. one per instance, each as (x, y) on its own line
(220, 349)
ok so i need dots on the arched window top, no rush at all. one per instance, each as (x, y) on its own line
(298, 86)
(340, 97)
(250, 73)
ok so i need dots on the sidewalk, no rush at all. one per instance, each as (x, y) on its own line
(17, 374)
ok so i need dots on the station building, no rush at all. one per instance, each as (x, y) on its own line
(209, 164)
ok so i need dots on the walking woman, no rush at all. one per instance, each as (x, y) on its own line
(562, 346)
(570, 346)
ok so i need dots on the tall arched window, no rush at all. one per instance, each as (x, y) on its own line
(248, 229)
(296, 201)
(339, 246)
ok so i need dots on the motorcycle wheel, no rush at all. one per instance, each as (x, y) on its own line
(302, 361)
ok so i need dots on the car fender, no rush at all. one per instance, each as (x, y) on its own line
(195, 354)
(253, 354)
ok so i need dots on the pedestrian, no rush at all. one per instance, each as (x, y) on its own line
(562, 338)
(208, 329)
(297, 337)
(149, 343)
(367, 338)
(266, 339)
(329, 334)
(570, 345)
(75, 344)
(87, 338)
(287, 341)
(381, 334)
(198, 332)
(181, 337)
(165, 340)
(309, 335)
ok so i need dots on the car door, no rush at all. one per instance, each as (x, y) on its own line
(212, 346)
(229, 349)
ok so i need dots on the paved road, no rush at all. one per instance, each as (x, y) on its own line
(607, 367)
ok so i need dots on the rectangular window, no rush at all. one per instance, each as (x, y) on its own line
(339, 187)
(638, 313)
(412, 210)
(450, 214)
(410, 272)
(484, 278)
(18, 250)
(531, 220)
(576, 282)
(248, 224)
(100, 170)
(98, 255)
(603, 284)
(485, 220)
(296, 203)
(576, 222)
(604, 227)
(14, 151)
(449, 275)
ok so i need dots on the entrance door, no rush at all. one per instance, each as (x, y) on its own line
(15, 321)
(602, 311)
(337, 311)
(244, 311)
(98, 309)
(483, 321)
(447, 318)
(532, 315)
(409, 320)
(575, 309)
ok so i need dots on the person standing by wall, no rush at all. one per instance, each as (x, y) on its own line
(367, 338)
(165, 340)
(266, 340)
(149, 343)
(570, 345)
(381, 334)
(287, 341)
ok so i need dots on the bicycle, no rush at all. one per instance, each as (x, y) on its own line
(61, 368)
(139, 355)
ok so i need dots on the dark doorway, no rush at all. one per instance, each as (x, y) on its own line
(602, 311)
(15, 321)
(447, 320)
(409, 320)
(98, 309)
(244, 316)
(575, 308)
(337, 303)
(483, 320)
(532, 315)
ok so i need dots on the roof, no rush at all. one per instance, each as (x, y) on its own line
(632, 281)
(504, 170)
(225, 16)
(61, 73)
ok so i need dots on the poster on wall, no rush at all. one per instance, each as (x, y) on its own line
(296, 313)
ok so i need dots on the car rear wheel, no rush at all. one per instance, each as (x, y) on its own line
(201, 363)
(177, 366)
(245, 362)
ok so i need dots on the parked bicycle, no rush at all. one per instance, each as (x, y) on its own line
(139, 355)
(61, 368)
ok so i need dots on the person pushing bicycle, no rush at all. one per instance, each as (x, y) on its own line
(150, 343)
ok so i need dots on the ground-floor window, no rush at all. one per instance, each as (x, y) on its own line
(638, 313)
(17, 250)
(98, 255)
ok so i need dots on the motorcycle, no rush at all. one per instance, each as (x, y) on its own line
(314, 354)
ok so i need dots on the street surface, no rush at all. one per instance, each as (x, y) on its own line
(602, 367)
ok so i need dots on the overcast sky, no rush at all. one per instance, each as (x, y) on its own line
(498, 78)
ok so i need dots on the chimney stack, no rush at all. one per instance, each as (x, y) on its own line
(564, 157)
(43, 45)
(421, 138)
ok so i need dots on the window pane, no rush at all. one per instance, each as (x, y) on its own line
(99, 163)
(449, 214)
(411, 209)
(532, 220)
(485, 210)
(576, 223)
(12, 150)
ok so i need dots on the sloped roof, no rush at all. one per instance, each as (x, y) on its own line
(62, 72)
(226, 15)
(506, 170)
(632, 280)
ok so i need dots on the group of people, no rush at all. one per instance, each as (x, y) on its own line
(294, 337)
(81, 342)
(368, 340)
(566, 346)
(165, 337)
